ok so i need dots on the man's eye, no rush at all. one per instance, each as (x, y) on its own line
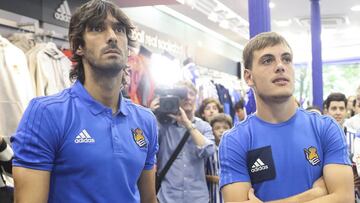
(287, 59)
(267, 61)
(96, 29)
(120, 29)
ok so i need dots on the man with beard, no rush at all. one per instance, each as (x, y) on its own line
(282, 153)
(88, 143)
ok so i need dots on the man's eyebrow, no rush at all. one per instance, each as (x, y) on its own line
(118, 23)
(95, 23)
(266, 56)
(286, 54)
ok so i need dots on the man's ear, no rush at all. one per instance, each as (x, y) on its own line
(79, 51)
(248, 77)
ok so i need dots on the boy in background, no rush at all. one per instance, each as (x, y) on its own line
(219, 124)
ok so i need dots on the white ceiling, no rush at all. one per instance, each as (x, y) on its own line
(340, 31)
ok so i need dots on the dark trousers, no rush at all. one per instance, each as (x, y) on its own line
(6, 195)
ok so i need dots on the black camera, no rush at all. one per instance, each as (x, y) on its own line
(169, 102)
(169, 105)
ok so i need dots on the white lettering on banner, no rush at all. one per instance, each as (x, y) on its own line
(151, 41)
(139, 36)
(156, 42)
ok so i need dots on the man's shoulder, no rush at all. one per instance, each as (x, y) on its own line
(54, 101)
(200, 121)
(355, 118)
(240, 129)
(353, 123)
(316, 117)
(136, 108)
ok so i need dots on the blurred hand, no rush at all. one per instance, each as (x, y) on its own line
(155, 104)
(181, 118)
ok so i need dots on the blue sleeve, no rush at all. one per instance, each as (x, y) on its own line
(153, 144)
(335, 147)
(209, 147)
(34, 142)
(232, 156)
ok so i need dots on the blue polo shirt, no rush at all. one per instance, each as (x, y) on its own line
(284, 159)
(93, 156)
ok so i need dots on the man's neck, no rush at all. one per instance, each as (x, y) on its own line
(104, 90)
(275, 112)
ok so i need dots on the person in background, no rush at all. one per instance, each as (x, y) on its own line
(351, 101)
(353, 123)
(336, 107)
(314, 109)
(239, 110)
(282, 153)
(6, 154)
(219, 123)
(209, 107)
(88, 143)
(324, 108)
(185, 180)
(356, 106)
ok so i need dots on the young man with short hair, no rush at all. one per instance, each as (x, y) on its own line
(336, 107)
(282, 153)
(239, 110)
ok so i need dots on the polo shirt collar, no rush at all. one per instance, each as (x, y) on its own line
(123, 106)
(95, 106)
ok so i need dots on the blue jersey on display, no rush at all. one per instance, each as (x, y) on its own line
(92, 154)
(281, 160)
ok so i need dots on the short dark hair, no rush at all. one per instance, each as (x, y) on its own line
(205, 102)
(221, 117)
(88, 13)
(261, 41)
(239, 105)
(336, 96)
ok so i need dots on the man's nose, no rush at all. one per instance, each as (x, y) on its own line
(280, 66)
(111, 36)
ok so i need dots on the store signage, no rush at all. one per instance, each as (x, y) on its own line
(63, 12)
(155, 41)
(57, 12)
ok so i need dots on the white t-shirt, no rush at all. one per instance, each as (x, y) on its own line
(353, 123)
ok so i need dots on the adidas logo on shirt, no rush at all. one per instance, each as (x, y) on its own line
(84, 137)
(258, 166)
(63, 12)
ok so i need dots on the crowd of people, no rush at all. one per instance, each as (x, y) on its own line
(88, 143)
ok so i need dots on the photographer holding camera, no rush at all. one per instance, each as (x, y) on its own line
(185, 180)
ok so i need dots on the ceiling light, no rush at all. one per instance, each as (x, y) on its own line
(271, 5)
(355, 8)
